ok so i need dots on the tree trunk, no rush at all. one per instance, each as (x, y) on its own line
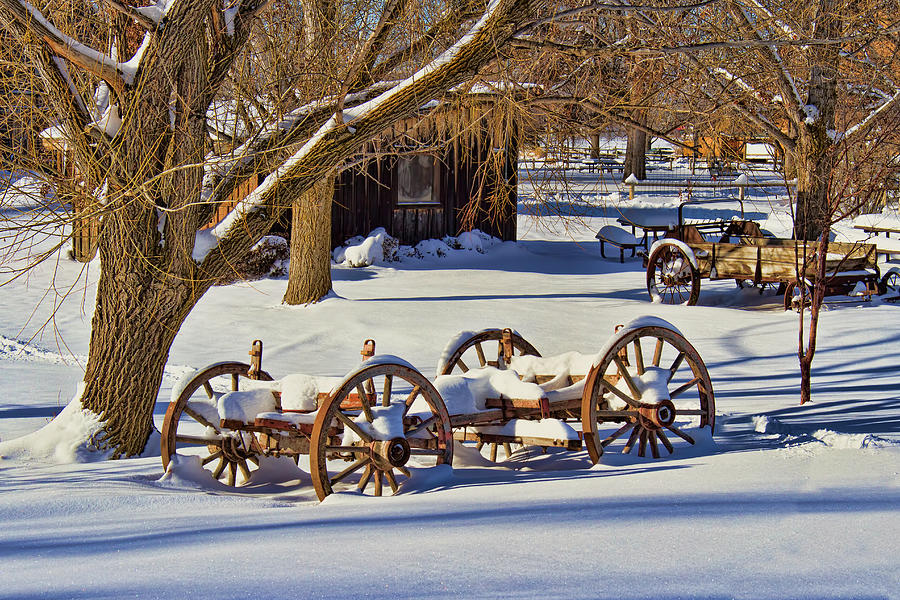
(135, 322)
(595, 144)
(636, 154)
(813, 168)
(309, 278)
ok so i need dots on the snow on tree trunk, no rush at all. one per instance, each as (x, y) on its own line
(309, 279)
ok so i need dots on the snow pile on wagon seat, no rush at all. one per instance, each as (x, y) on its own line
(561, 367)
(298, 393)
(467, 393)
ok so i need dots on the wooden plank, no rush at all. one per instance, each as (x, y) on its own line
(468, 435)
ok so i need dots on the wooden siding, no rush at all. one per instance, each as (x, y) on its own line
(477, 159)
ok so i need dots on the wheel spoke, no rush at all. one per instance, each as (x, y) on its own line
(462, 365)
(359, 464)
(211, 457)
(654, 449)
(480, 351)
(196, 439)
(682, 389)
(209, 391)
(642, 446)
(199, 418)
(676, 364)
(245, 470)
(622, 396)
(411, 398)
(364, 400)
(366, 477)
(423, 425)
(346, 449)
(657, 352)
(665, 441)
(405, 471)
(220, 467)
(388, 383)
(232, 474)
(631, 440)
(618, 433)
(235, 382)
(638, 356)
(378, 483)
(681, 434)
(623, 372)
(389, 475)
(348, 422)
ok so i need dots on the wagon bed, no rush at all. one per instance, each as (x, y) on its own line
(675, 266)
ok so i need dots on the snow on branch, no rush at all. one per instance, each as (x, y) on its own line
(871, 117)
(117, 74)
(338, 138)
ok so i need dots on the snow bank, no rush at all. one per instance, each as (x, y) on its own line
(65, 439)
(793, 434)
(379, 247)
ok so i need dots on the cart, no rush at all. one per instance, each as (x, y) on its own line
(384, 420)
(676, 264)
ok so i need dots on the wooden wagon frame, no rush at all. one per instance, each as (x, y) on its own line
(676, 263)
(384, 419)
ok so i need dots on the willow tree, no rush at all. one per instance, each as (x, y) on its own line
(133, 89)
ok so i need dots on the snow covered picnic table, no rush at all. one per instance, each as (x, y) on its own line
(387, 420)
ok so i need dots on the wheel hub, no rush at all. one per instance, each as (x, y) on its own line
(387, 454)
(658, 415)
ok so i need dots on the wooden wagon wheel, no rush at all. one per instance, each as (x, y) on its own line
(192, 427)
(890, 283)
(671, 277)
(378, 420)
(471, 351)
(649, 378)
(797, 295)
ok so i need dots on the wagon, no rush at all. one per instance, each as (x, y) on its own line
(383, 421)
(676, 264)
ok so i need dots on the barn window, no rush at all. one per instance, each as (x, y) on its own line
(417, 179)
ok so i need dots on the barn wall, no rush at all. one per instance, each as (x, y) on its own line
(478, 164)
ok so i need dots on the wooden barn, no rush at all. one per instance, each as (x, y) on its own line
(450, 171)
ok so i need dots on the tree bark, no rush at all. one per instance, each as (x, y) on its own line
(309, 276)
(635, 154)
(135, 322)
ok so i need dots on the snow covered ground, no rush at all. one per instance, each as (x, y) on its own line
(790, 502)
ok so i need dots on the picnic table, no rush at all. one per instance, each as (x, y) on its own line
(881, 227)
(657, 222)
(599, 165)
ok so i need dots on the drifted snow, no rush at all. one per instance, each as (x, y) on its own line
(65, 439)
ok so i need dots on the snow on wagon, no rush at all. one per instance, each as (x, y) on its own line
(646, 388)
